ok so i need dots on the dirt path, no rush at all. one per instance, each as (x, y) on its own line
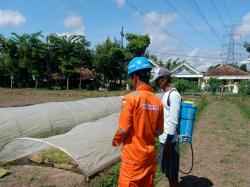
(221, 143)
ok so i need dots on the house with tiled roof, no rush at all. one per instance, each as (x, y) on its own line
(229, 75)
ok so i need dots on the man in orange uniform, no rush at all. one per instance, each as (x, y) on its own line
(141, 121)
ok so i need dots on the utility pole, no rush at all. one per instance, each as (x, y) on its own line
(122, 36)
(231, 47)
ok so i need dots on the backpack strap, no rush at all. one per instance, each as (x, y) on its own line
(168, 100)
(168, 103)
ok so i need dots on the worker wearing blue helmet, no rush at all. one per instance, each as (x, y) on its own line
(139, 63)
(140, 121)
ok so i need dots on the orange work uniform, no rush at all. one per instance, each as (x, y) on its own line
(141, 120)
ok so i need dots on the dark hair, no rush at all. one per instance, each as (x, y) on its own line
(144, 75)
(168, 79)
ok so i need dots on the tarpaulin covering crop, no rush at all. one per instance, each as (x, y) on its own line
(89, 144)
(54, 116)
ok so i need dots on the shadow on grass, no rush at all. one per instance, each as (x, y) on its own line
(194, 181)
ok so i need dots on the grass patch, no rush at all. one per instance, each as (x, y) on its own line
(201, 106)
(226, 161)
(55, 156)
(247, 134)
(242, 144)
(110, 179)
(228, 126)
(240, 102)
(233, 153)
(34, 176)
(228, 174)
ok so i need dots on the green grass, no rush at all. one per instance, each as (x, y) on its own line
(109, 180)
(240, 102)
(34, 176)
(233, 153)
(55, 156)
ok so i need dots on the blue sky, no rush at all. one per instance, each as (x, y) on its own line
(188, 29)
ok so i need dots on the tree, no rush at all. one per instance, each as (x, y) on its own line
(109, 60)
(247, 46)
(173, 63)
(214, 84)
(243, 67)
(8, 50)
(32, 53)
(70, 52)
(137, 44)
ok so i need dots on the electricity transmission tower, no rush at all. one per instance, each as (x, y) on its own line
(233, 56)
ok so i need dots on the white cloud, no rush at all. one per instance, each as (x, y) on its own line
(162, 20)
(11, 18)
(74, 23)
(160, 42)
(120, 3)
(197, 60)
(244, 28)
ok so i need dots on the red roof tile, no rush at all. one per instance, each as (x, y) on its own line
(226, 69)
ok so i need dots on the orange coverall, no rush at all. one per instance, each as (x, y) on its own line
(141, 120)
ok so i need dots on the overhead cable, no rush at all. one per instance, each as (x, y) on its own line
(196, 7)
(228, 13)
(188, 22)
(155, 23)
(192, 56)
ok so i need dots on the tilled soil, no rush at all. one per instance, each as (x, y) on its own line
(221, 148)
(34, 176)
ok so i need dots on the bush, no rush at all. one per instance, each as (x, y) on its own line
(244, 87)
(214, 84)
(181, 85)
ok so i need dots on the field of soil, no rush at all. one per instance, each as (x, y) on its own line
(23, 97)
(221, 144)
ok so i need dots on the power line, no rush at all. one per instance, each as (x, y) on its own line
(155, 23)
(188, 22)
(228, 13)
(218, 14)
(208, 57)
(202, 15)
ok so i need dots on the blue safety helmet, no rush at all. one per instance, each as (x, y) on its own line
(139, 63)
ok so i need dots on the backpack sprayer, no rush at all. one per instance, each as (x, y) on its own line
(186, 123)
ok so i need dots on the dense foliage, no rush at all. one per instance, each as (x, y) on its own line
(33, 60)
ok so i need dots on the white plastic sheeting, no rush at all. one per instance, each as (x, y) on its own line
(54, 116)
(89, 144)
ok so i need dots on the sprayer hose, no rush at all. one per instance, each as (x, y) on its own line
(192, 162)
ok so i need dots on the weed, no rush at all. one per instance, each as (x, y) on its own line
(226, 161)
(242, 144)
(233, 153)
(228, 126)
(34, 176)
(222, 115)
(228, 174)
